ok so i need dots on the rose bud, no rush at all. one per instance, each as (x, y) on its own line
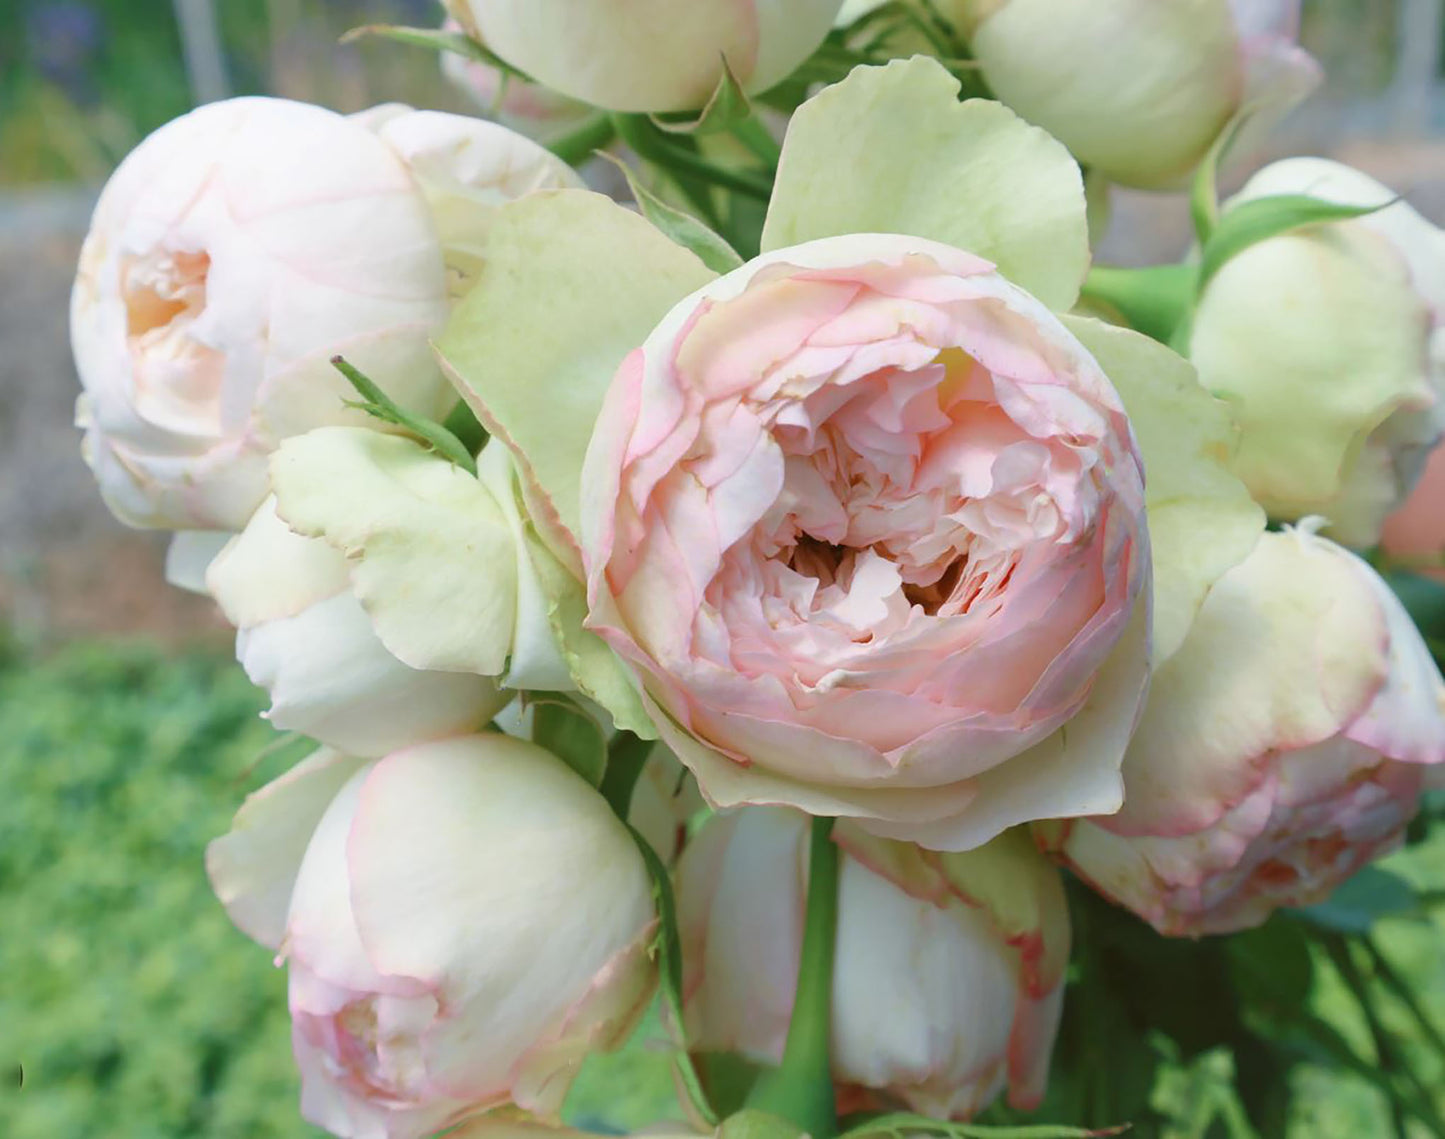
(463, 922)
(648, 55)
(1282, 748)
(949, 969)
(1414, 534)
(1138, 89)
(465, 168)
(869, 521)
(303, 635)
(230, 256)
(1329, 342)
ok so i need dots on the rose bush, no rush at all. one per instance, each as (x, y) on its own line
(797, 629)
(949, 971)
(221, 272)
(1329, 344)
(1138, 89)
(446, 954)
(1282, 748)
(648, 55)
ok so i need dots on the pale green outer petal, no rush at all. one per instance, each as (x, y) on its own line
(573, 282)
(1314, 338)
(268, 571)
(596, 669)
(537, 660)
(892, 150)
(435, 565)
(1202, 520)
(253, 866)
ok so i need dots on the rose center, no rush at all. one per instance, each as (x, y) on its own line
(163, 292)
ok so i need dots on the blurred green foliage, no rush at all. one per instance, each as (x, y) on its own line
(134, 1005)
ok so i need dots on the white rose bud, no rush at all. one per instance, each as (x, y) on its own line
(463, 923)
(1138, 89)
(648, 55)
(949, 968)
(1329, 343)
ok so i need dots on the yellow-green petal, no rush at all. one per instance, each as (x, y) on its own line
(892, 150)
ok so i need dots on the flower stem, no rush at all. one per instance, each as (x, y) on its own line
(801, 1089)
(577, 145)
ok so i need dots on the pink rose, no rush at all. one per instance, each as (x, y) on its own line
(949, 969)
(1282, 748)
(868, 521)
(221, 273)
(463, 922)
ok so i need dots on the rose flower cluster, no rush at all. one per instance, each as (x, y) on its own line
(646, 544)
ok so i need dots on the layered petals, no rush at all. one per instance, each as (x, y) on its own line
(466, 921)
(868, 520)
(1282, 748)
(221, 273)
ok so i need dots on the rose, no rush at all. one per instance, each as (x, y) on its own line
(824, 475)
(949, 969)
(1415, 533)
(1138, 89)
(463, 922)
(222, 271)
(465, 168)
(1330, 344)
(648, 55)
(1282, 747)
(866, 516)
(303, 635)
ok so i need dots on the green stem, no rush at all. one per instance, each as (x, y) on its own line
(801, 1089)
(657, 147)
(626, 756)
(577, 145)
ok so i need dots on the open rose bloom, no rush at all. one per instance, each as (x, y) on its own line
(864, 519)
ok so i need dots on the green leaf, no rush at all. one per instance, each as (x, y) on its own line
(727, 105)
(1271, 965)
(892, 150)
(1362, 900)
(1153, 300)
(378, 404)
(681, 227)
(1262, 218)
(564, 728)
(437, 40)
(668, 951)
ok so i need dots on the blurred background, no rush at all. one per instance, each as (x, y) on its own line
(128, 736)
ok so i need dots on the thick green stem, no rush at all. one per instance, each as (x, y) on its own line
(801, 1089)
(577, 145)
